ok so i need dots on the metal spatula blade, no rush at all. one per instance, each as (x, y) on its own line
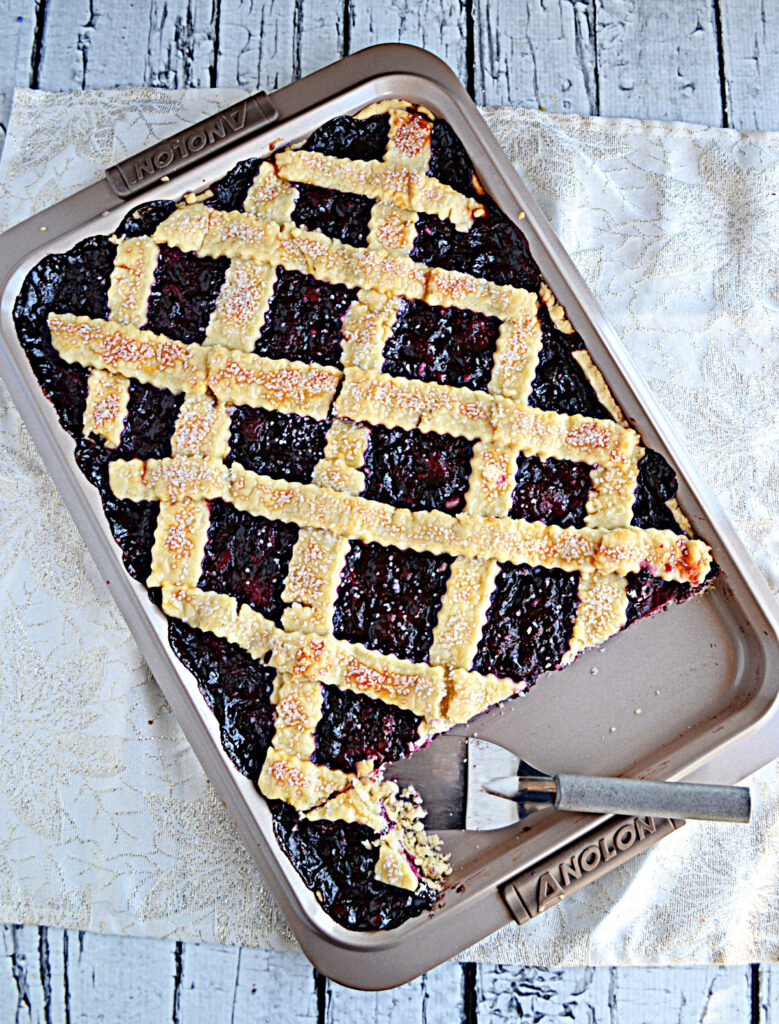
(470, 783)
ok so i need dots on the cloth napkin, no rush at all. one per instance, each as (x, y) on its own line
(107, 822)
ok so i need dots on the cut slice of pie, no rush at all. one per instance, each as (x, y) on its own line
(349, 440)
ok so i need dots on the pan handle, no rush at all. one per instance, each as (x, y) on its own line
(547, 883)
(191, 145)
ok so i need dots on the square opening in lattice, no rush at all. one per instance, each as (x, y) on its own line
(276, 444)
(355, 727)
(149, 423)
(340, 215)
(414, 470)
(554, 491)
(352, 138)
(493, 248)
(230, 191)
(389, 599)
(529, 623)
(184, 293)
(304, 319)
(444, 345)
(560, 384)
(236, 687)
(247, 557)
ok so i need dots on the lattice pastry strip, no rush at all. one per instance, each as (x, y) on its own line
(108, 394)
(269, 196)
(242, 305)
(405, 188)
(601, 611)
(626, 550)
(298, 710)
(312, 581)
(463, 613)
(491, 484)
(298, 781)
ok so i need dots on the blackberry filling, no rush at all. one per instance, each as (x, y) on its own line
(442, 345)
(336, 861)
(410, 469)
(184, 293)
(340, 215)
(351, 137)
(552, 491)
(276, 444)
(354, 728)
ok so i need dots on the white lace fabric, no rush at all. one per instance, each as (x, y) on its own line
(107, 822)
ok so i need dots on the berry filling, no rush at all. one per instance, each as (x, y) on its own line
(184, 293)
(230, 192)
(236, 688)
(448, 160)
(74, 282)
(492, 248)
(410, 469)
(351, 137)
(354, 728)
(145, 219)
(560, 384)
(247, 557)
(553, 491)
(276, 444)
(389, 599)
(304, 319)
(656, 485)
(443, 345)
(337, 862)
(648, 594)
(340, 215)
(529, 623)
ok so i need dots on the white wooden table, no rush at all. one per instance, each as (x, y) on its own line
(711, 61)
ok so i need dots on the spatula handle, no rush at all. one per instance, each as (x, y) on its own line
(660, 799)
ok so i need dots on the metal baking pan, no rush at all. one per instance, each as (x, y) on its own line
(715, 660)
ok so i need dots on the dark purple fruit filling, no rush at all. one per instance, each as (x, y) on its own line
(230, 192)
(443, 345)
(352, 138)
(493, 248)
(354, 727)
(236, 688)
(75, 282)
(146, 218)
(247, 557)
(410, 469)
(448, 160)
(389, 599)
(332, 860)
(184, 293)
(529, 623)
(277, 444)
(553, 491)
(150, 422)
(340, 215)
(648, 594)
(132, 522)
(560, 384)
(656, 485)
(304, 320)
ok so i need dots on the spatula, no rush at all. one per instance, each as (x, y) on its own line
(470, 783)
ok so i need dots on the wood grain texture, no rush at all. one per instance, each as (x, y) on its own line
(435, 998)
(536, 54)
(182, 43)
(17, 47)
(765, 994)
(268, 43)
(438, 26)
(658, 60)
(681, 995)
(750, 62)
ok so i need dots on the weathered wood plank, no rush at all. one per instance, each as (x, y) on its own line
(630, 995)
(536, 54)
(435, 998)
(658, 60)
(224, 985)
(118, 978)
(767, 994)
(182, 43)
(93, 44)
(438, 26)
(750, 52)
(17, 43)
(269, 43)
(32, 975)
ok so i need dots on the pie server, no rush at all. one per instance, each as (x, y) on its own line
(469, 783)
